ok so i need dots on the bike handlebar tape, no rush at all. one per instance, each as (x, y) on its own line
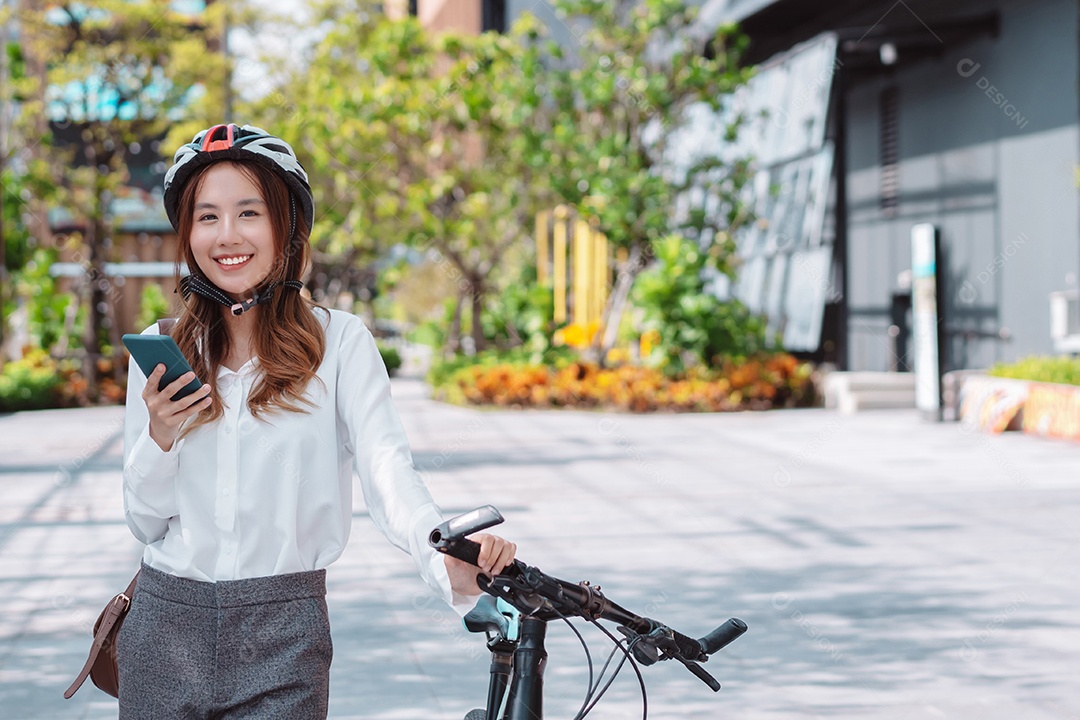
(722, 636)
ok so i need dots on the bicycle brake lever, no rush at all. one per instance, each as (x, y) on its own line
(514, 588)
(702, 674)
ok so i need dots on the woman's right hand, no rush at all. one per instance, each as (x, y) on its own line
(167, 416)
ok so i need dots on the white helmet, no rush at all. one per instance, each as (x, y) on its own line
(229, 142)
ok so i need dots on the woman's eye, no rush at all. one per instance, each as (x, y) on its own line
(248, 213)
(207, 216)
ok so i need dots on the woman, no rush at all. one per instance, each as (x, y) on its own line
(242, 491)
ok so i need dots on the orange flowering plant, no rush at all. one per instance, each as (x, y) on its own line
(759, 383)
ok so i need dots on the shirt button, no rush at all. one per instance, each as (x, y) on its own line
(228, 551)
(228, 429)
(226, 492)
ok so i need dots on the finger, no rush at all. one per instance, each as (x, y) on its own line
(178, 384)
(506, 556)
(484, 558)
(153, 380)
(200, 397)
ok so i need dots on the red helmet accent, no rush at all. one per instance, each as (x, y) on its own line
(209, 145)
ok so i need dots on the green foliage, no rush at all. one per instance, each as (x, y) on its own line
(18, 243)
(46, 308)
(693, 325)
(1064, 370)
(638, 68)
(31, 383)
(390, 357)
(414, 137)
(520, 316)
(153, 305)
(127, 70)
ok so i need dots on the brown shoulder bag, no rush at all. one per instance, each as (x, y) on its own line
(101, 665)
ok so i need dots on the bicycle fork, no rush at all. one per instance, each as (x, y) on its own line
(517, 675)
(526, 701)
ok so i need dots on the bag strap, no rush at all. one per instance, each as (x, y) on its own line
(165, 325)
(115, 610)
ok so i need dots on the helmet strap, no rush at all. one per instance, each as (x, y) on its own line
(195, 283)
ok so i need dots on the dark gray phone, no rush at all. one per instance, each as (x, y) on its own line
(151, 350)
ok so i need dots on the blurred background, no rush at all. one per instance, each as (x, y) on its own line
(758, 193)
(635, 207)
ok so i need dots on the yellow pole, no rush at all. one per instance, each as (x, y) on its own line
(541, 248)
(558, 256)
(601, 267)
(582, 276)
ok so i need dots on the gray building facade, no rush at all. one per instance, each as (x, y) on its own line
(986, 149)
(963, 115)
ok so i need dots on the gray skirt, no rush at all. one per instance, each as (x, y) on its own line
(255, 648)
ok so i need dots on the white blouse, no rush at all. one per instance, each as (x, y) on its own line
(247, 497)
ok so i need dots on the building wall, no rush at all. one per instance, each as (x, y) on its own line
(988, 144)
(441, 15)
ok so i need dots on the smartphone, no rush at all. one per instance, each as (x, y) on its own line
(150, 351)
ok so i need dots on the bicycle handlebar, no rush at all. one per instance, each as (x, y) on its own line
(536, 593)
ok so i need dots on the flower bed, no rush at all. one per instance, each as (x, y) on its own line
(757, 384)
(996, 404)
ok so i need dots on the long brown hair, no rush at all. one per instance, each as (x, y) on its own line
(288, 339)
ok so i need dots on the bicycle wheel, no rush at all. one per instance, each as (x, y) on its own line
(476, 715)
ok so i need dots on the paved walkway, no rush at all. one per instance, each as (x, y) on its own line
(887, 567)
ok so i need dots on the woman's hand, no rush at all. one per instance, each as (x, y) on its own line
(167, 416)
(495, 554)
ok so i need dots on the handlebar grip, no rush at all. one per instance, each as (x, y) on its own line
(462, 549)
(723, 635)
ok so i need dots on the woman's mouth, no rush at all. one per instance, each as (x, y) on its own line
(233, 261)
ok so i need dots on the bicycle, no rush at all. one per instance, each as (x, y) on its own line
(524, 599)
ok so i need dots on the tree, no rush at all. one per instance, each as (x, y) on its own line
(416, 138)
(117, 72)
(616, 100)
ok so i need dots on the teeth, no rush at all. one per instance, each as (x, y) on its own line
(234, 261)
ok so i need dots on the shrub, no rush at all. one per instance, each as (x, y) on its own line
(1064, 370)
(153, 305)
(31, 383)
(685, 324)
(760, 383)
(390, 357)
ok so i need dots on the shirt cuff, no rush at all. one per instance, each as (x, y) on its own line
(432, 564)
(150, 462)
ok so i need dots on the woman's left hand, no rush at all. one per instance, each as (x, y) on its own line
(495, 554)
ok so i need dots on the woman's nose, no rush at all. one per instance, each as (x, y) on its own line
(228, 232)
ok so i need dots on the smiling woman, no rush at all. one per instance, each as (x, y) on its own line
(242, 490)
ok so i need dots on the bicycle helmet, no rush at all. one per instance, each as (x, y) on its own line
(230, 142)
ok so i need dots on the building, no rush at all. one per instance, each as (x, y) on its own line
(961, 115)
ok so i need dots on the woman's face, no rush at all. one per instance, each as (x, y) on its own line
(231, 236)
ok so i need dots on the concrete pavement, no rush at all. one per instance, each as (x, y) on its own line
(887, 567)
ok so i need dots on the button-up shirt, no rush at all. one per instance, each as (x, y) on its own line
(246, 497)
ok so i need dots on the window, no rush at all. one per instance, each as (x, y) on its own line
(493, 15)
